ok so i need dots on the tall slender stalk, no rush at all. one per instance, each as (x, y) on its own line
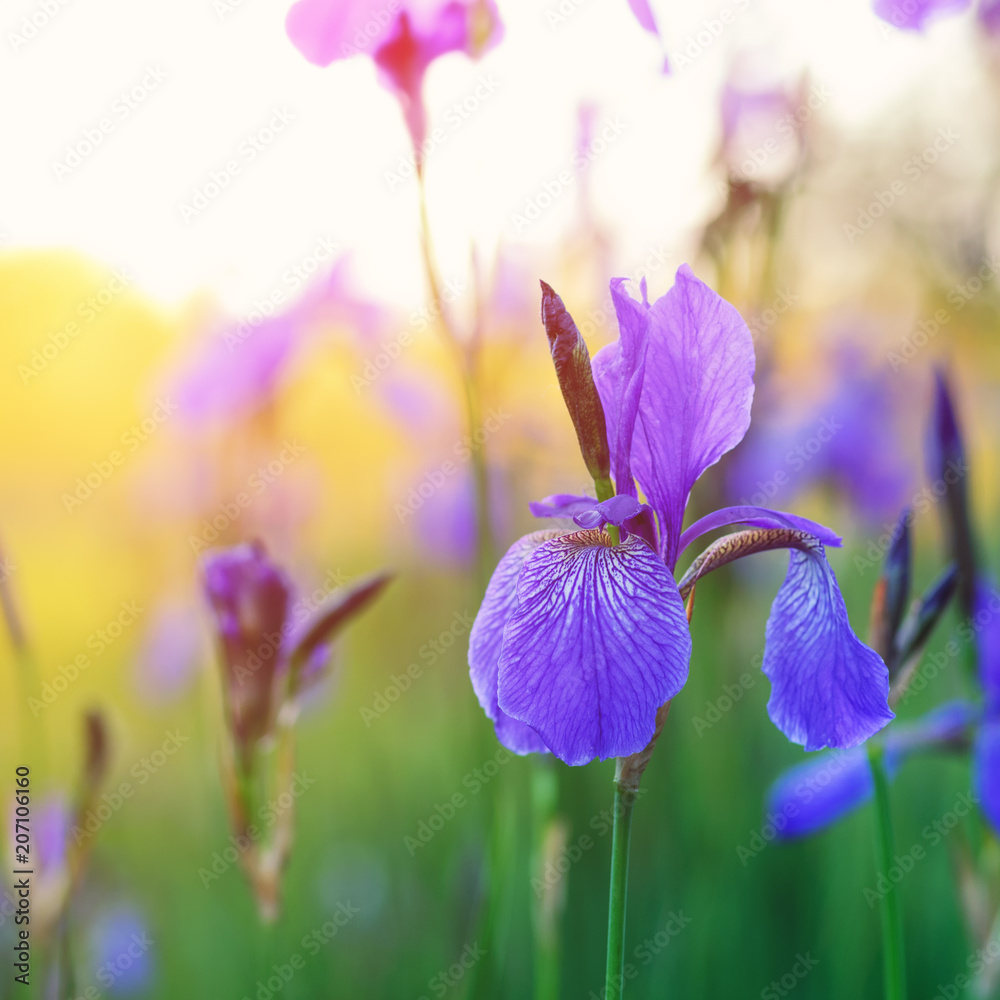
(620, 835)
(893, 952)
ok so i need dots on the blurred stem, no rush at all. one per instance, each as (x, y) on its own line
(892, 917)
(466, 358)
(621, 831)
(544, 796)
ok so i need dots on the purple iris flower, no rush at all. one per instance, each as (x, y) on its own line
(121, 948)
(580, 640)
(914, 15)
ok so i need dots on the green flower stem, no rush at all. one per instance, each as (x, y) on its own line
(615, 980)
(893, 952)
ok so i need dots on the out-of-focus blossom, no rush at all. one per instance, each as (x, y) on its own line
(170, 652)
(261, 641)
(121, 948)
(403, 39)
(852, 441)
(986, 751)
(821, 791)
(580, 641)
(988, 14)
(240, 367)
(915, 15)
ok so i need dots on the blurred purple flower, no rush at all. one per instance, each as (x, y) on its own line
(51, 825)
(988, 14)
(647, 20)
(170, 652)
(242, 364)
(821, 791)
(120, 948)
(580, 641)
(915, 15)
(852, 441)
(403, 39)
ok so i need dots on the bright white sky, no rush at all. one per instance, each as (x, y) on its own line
(227, 69)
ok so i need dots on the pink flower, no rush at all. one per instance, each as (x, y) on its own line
(403, 37)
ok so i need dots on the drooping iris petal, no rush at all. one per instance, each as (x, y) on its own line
(986, 771)
(598, 642)
(820, 791)
(562, 505)
(828, 689)
(696, 395)
(914, 15)
(486, 639)
(760, 517)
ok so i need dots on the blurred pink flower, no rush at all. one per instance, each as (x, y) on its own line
(914, 15)
(644, 15)
(403, 38)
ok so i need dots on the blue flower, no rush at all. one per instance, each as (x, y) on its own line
(580, 640)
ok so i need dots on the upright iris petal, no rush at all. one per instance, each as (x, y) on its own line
(598, 642)
(828, 689)
(696, 396)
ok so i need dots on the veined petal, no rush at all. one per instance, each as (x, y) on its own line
(696, 395)
(760, 517)
(828, 689)
(598, 642)
(486, 638)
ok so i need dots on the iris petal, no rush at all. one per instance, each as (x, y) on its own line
(696, 395)
(760, 517)
(486, 638)
(828, 689)
(598, 642)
